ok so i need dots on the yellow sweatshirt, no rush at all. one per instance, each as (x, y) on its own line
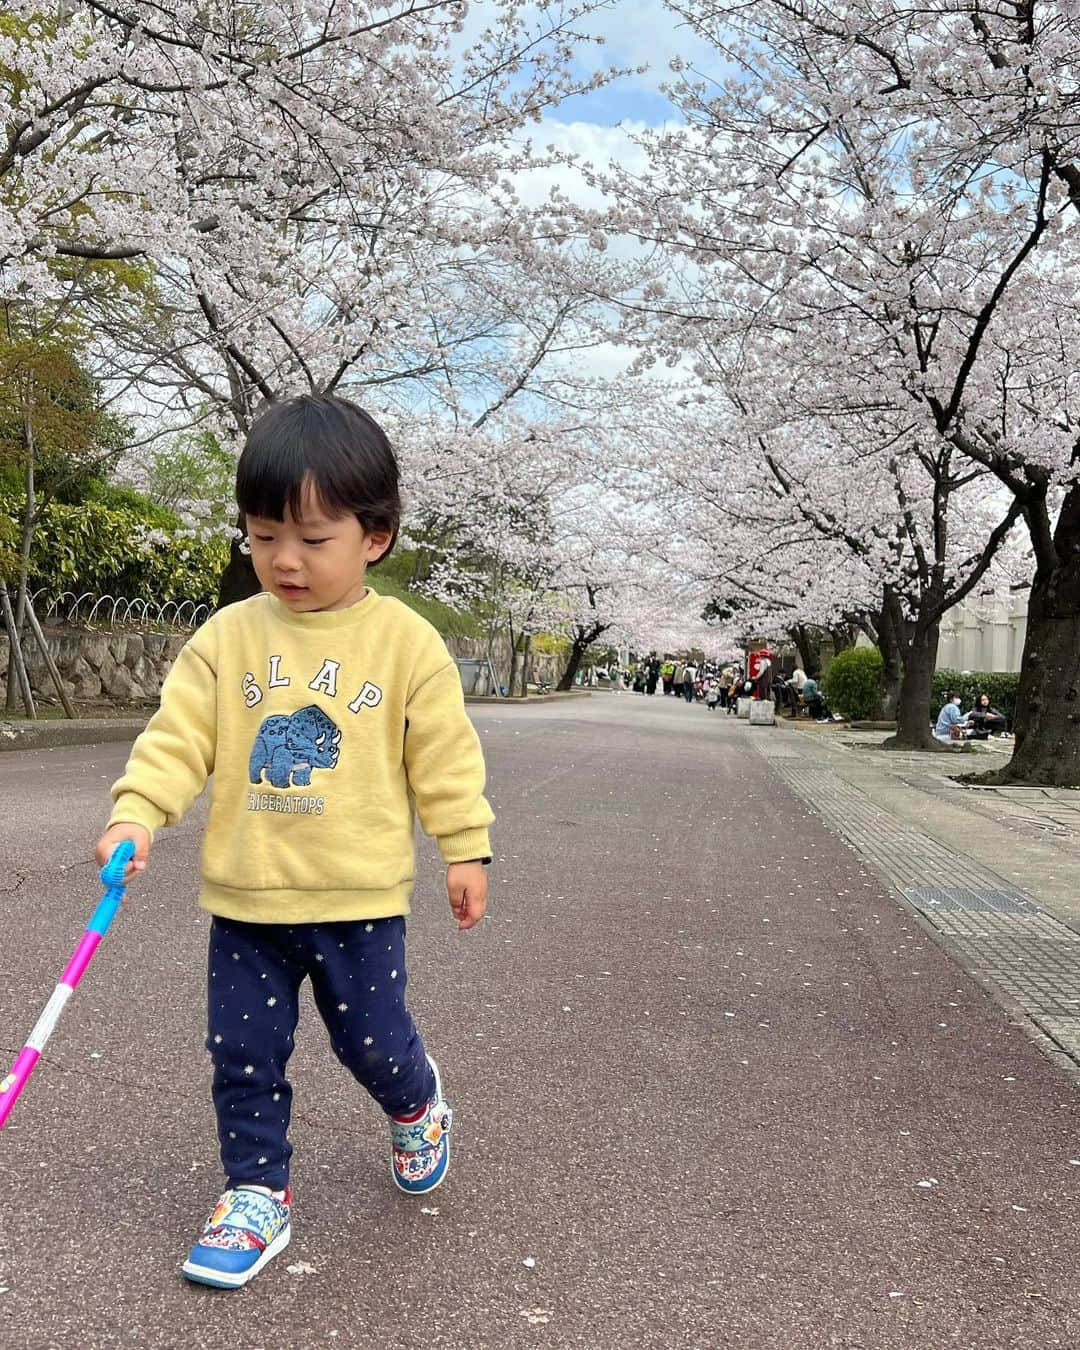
(323, 732)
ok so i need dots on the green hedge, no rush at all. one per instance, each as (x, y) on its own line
(101, 548)
(852, 683)
(1001, 685)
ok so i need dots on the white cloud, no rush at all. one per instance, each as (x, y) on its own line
(592, 143)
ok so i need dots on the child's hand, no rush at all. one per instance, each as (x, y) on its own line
(466, 885)
(116, 834)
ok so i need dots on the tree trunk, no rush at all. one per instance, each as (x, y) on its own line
(22, 596)
(843, 638)
(526, 665)
(238, 581)
(1048, 699)
(19, 673)
(893, 672)
(50, 664)
(515, 651)
(577, 651)
(913, 704)
(808, 641)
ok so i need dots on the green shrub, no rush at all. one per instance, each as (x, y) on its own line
(120, 550)
(124, 498)
(852, 683)
(1000, 685)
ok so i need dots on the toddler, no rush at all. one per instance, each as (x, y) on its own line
(328, 715)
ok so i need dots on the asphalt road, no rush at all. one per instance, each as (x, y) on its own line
(712, 1086)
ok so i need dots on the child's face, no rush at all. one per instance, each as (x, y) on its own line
(316, 561)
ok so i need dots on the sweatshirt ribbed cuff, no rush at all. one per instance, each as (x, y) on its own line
(465, 845)
(131, 808)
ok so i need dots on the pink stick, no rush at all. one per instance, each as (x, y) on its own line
(80, 959)
(13, 1084)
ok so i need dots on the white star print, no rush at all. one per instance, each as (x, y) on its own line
(217, 1040)
(393, 974)
(270, 1002)
(249, 1068)
(369, 928)
(343, 1007)
(368, 1040)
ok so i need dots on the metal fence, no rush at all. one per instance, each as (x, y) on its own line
(106, 610)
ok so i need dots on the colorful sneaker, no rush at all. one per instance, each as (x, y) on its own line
(420, 1148)
(248, 1227)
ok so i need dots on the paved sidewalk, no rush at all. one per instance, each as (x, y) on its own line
(992, 870)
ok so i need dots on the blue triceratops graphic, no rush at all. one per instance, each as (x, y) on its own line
(287, 748)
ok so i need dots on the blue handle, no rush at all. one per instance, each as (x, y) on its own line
(112, 878)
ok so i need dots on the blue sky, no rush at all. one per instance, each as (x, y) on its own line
(635, 32)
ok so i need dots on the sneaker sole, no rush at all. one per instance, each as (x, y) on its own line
(219, 1279)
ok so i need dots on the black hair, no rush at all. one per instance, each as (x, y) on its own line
(344, 452)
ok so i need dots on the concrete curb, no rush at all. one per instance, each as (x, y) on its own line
(555, 696)
(47, 734)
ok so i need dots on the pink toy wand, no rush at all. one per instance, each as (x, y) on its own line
(112, 877)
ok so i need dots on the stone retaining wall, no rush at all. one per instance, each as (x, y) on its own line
(126, 667)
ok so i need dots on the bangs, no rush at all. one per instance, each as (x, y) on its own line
(326, 446)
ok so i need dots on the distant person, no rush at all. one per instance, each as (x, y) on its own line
(736, 691)
(950, 717)
(689, 675)
(815, 702)
(652, 678)
(725, 682)
(984, 719)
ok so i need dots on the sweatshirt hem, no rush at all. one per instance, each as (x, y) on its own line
(288, 906)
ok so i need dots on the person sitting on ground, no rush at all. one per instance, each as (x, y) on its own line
(949, 717)
(985, 719)
(815, 702)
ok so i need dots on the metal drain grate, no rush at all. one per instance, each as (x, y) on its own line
(934, 899)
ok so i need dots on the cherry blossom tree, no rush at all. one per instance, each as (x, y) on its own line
(870, 219)
(327, 196)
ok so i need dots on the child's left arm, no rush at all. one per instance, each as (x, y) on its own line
(445, 768)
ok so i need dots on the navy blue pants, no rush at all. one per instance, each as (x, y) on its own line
(357, 972)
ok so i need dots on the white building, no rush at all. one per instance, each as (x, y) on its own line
(984, 634)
